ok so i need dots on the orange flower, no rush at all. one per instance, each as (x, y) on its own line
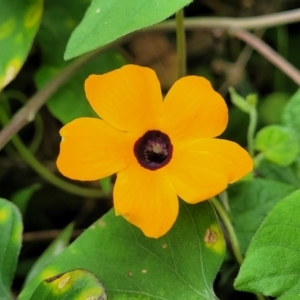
(159, 149)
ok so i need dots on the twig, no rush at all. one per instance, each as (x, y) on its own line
(240, 63)
(46, 235)
(265, 21)
(269, 54)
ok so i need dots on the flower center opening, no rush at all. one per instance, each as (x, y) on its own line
(153, 150)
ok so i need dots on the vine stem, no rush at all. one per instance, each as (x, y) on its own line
(251, 130)
(52, 178)
(232, 236)
(45, 173)
(230, 230)
(180, 43)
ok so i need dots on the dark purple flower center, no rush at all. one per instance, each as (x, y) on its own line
(153, 150)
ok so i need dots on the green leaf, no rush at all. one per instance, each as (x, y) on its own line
(69, 102)
(21, 197)
(105, 21)
(274, 103)
(250, 202)
(19, 21)
(131, 266)
(291, 114)
(11, 228)
(55, 248)
(278, 144)
(76, 284)
(284, 174)
(272, 263)
(239, 101)
(59, 20)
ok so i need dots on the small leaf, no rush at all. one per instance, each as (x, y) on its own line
(19, 21)
(239, 101)
(272, 263)
(21, 197)
(10, 244)
(76, 284)
(131, 266)
(105, 21)
(278, 144)
(250, 202)
(56, 247)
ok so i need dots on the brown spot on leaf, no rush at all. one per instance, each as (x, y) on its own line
(101, 223)
(210, 236)
(164, 246)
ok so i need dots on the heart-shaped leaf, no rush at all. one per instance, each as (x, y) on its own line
(272, 263)
(131, 266)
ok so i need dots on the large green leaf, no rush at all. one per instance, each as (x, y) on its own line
(19, 21)
(250, 202)
(11, 227)
(131, 266)
(69, 102)
(272, 263)
(75, 285)
(105, 21)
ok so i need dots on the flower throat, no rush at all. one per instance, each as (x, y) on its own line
(153, 150)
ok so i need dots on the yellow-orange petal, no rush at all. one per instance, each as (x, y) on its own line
(192, 109)
(91, 149)
(146, 199)
(201, 169)
(128, 98)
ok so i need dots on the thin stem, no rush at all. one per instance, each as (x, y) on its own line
(230, 230)
(52, 178)
(45, 173)
(265, 21)
(180, 43)
(268, 53)
(251, 130)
